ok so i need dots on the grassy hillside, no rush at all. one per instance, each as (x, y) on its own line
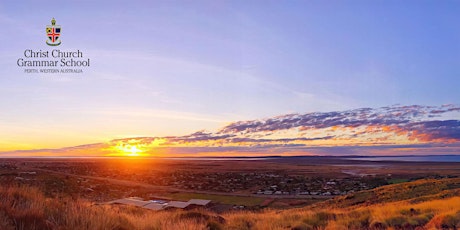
(425, 204)
(417, 191)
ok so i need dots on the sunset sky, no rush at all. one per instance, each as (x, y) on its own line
(234, 78)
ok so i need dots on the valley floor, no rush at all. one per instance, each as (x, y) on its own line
(45, 194)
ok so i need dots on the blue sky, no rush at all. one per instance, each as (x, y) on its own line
(164, 68)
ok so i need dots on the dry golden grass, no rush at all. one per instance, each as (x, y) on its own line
(436, 214)
(417, 191)
(26, 208)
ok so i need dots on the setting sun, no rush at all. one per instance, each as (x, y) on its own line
(132, 147)
(134, 151)
(129, 150)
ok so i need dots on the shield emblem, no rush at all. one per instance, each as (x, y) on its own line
(53, 32)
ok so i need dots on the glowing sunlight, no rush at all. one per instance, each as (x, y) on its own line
(129, 150)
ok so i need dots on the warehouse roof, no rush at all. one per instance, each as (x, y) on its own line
(156, 205)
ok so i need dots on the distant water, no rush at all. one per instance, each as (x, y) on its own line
(218, 158)
(441, 158)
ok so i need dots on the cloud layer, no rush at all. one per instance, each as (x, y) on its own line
(366, 131)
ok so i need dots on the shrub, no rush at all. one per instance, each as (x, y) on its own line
(319, 219)
(410, 212)
(5, 222)
(213, 225)
(356, 219)
(302, 226)
(378, 226)
(396, 221)
(198, 216)
(451, 221)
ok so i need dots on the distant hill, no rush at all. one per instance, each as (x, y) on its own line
(415, 192)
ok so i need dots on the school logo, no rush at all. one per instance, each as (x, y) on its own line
(53, 32)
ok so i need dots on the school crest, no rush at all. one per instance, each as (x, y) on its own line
(53, 32)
